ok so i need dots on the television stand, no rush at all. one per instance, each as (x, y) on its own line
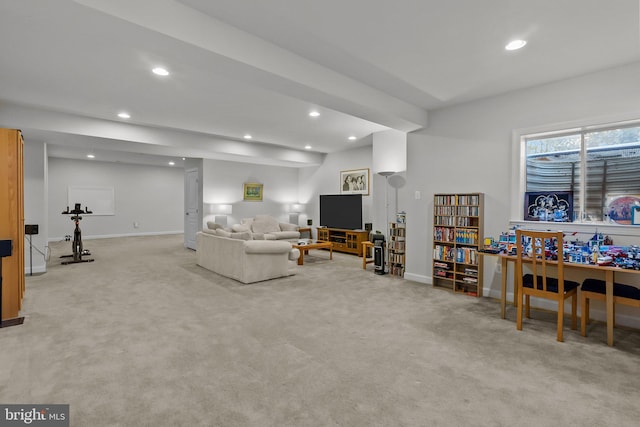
(348, 241)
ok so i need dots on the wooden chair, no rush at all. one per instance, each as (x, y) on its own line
(538, 283)
(596, 289)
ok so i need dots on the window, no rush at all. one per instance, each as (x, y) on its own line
(601, 166)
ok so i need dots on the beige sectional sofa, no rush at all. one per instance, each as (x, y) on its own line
(266, 227)
(244, 259)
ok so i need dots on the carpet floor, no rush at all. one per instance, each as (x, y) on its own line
(145, 337)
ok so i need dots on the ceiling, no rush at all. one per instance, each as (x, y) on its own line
(259, 67)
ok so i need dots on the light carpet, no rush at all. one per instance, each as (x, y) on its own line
(145, 337)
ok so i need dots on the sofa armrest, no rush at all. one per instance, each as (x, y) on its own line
(288, 227)
(294, 254)
(283, 235)
(266, 247)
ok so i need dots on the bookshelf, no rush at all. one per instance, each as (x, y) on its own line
(397, 234)
(12, 284)
(457, 236)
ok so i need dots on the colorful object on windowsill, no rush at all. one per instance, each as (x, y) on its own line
(598, 250)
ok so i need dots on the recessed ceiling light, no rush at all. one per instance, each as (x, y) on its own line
(247, 136)
(172, 163)
(160, 71)
(307, 147)
(91, 156)
(184, 158)
(124, 115)
(515, 44)
(352, 138)
(314, 114)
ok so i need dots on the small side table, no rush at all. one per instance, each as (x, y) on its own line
(305, 230)
(365, 251)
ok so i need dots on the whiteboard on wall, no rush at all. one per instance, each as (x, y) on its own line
(99, 200)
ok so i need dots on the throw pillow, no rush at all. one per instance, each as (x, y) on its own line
(239, 228)
(288, 227)
(246, 221)
(264, 224)
(212, 225)
(209, 231)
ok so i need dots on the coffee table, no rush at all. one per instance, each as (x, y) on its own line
(304, 249)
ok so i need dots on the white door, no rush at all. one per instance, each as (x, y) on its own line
(191, 208)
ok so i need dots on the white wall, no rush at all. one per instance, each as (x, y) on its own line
(325, 179)
(151, 196)
(223, 184)
(469, 148)
(389, 153)
(35, 205)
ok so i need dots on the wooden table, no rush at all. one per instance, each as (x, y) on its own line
(365, 248)
(304, 249)
(609, 276)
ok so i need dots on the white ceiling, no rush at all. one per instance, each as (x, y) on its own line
(259, 67)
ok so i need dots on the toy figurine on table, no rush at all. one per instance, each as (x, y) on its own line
(78, 250)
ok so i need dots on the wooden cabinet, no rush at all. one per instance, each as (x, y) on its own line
(396, 246)
(349, 241)
(12, 220)
(457, 236)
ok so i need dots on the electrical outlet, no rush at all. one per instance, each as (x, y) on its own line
(418, 196)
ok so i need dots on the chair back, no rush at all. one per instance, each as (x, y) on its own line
(532, 248)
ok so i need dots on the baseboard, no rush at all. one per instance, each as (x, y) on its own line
(111, 236)
(37, 269)
(417, 278)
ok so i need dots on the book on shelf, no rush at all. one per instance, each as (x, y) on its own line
(445, 199)
(397, 246)
(466, 236)
(470, 271)
(470, 199)
(445, 253)
(466, 255)
(443, 274)
(467, 211)
(445, 220)
(397, 270)
(444, 234)
(396, 259)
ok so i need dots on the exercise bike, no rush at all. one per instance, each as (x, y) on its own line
(78, 250)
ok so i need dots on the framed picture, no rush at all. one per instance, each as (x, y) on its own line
(253, 192)
(354, 182)
(621, 208)
(548, 206)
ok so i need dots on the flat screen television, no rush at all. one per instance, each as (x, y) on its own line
(341, 211)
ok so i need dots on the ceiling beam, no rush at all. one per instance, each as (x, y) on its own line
(79, 131)
(264, 63)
